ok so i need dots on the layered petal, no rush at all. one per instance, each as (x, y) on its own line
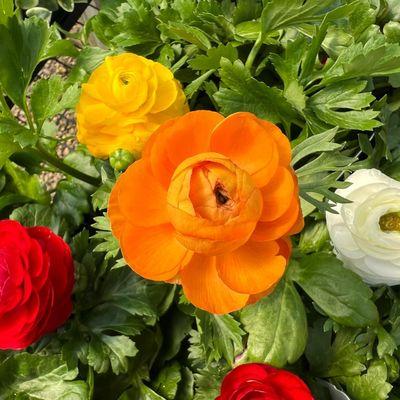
(143, 201)
(243, 139)
(253, 268)
(153, 252)
(205, 289)
(180, 139)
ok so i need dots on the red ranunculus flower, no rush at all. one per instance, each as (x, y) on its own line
(36, 281)
(263, 382)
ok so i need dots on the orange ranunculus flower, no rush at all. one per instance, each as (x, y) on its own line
(125, 100)
(211, 205)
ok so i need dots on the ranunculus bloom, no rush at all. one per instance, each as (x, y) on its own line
(263, 382)
(125, 100)
(36, 281)
(211, 205)
(366, 232)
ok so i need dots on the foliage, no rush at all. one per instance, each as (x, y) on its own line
(327, 72)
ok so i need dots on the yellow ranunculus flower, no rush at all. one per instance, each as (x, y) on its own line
(125, 100)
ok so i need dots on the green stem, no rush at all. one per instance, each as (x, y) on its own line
(56, 162)
(90, 382)
(254, 51)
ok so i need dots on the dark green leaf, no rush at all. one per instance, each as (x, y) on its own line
(39, 377)
(339, 292)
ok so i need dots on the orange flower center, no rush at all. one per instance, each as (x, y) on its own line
(209, 192)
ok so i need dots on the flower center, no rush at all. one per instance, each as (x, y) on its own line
(390, 222)
(125, 78)
(212, 204)
(220, 194)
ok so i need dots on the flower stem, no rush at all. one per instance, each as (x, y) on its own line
(59, 164)
(90, 382)
(254, 51)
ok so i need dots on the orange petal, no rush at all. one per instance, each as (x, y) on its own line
(285, 247)
(255, 297)
(253, 268)
(205, 289)
(243, 139)
(153, 252)
(283, 143)
(180, 139)
(280, 227)
(277, 195)
(141, 198)
(298, 225)
(117, 220)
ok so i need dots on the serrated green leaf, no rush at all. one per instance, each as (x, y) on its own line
(213, 58)
(374, 58)
(220, 336)
(277, 327)
(38, 215)
(27, 185)
(279, 14)
(370, 386)
(242, 92)
(345, 105)
(22, 44)
(105, 350)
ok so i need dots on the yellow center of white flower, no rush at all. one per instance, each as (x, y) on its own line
(390, 222)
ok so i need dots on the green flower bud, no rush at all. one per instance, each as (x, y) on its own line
(121, 159)
(392, 31)
(314, 237)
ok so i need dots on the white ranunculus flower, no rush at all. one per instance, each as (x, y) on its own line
(366, 232)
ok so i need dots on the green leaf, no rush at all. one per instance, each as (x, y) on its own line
(288, 68)
(386, 342)
(279, 14)
(132, 24)
(27, 185)
(374, 58)
(67, 5)
(108, 242)
(6, 10)
(7, 148)
(38, 215)
(22, 44)
(277, 327)
(105, 350)
(49, 97)
(370, 386)
(315, 144)
(344, 357)
(213, 58)
(337, 291)
(71, 202)
(182, 31)
(242, 92)
(344, 105)
(220, 336)
(13, 131)
(167, 381)
(208, 382)
(39, 377)
(195, 85)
